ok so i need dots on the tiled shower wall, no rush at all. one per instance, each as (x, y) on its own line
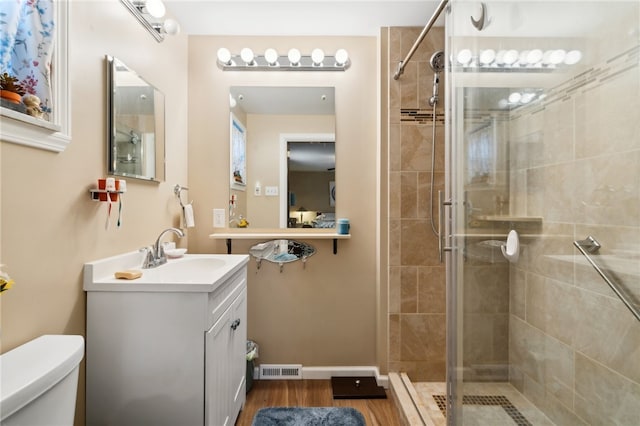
(416, 276)
(575, 160)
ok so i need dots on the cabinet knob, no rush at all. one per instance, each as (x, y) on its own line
(235, 324)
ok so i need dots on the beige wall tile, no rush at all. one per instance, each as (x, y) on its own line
(619, 404)
(409, 290)
(431, 289)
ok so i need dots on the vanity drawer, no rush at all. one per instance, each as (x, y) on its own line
(223, 296)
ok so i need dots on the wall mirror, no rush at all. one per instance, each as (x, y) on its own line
(136, 120)
(289, 155)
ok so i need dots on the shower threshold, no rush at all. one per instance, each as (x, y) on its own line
(487, 403)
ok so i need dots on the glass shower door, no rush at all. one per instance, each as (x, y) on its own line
(543, 150)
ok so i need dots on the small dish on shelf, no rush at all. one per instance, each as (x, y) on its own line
(175, 253)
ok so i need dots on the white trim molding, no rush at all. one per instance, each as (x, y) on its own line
(54, 136)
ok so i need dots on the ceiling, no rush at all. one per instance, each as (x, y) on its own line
(298, 17)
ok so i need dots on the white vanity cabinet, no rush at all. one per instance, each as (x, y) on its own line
(163, 353)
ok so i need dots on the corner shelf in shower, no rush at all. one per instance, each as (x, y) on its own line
(531, 220)
(230, 234)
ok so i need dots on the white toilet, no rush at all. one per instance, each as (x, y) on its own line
(39, 381)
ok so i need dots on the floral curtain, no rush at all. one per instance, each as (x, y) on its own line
(26, 45)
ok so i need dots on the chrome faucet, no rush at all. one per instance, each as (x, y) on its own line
(155, 253)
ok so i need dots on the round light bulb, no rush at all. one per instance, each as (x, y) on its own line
(573, 57)
(534, 57)
(271, 56)
(510, 57)
(522, 59)
(515, 97)
(246, 55)
(155, 8)
(224, 56)
(500, 57)
(342, 56)
(171, 26)
(527, 97)
(464, 57)
(487, 56)
(557, 57)
(294, 56)
(232, 101)
(317, 56)
(546, 57)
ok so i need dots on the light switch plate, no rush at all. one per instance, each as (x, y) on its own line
(218, 218)
(271, 191)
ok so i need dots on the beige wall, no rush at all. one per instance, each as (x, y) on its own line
(50, 227)
(323, 314)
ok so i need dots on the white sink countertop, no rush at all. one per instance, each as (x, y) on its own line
(190, 273)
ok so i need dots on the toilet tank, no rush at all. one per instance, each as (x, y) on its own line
(39, 381)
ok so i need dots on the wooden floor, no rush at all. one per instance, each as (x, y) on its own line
(313, 393)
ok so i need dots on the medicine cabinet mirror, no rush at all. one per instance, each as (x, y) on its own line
(136, 120)
(289, 155)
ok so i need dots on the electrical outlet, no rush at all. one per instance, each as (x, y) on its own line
(218, 218)
(257, 191)
(271, 191)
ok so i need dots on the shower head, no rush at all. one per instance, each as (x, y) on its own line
(437, 61)
(437, 65)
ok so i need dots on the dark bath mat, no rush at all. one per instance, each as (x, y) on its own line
(357, 388)
(308, 416)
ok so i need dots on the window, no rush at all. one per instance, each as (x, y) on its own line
(52, 134)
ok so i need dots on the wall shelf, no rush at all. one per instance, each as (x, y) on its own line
(230, 234)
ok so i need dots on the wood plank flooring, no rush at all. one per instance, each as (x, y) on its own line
(313, 393)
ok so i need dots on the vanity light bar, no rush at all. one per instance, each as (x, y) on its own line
(150, 13)
(293, 61)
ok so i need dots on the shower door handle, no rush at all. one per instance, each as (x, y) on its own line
(441, 247)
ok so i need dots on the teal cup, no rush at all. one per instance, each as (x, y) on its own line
(343, 226)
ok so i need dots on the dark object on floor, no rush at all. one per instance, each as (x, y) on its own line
(308, 416)
(357, 388)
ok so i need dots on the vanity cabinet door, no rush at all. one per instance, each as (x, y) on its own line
(238, 352)
(217, 371)
(225, 364)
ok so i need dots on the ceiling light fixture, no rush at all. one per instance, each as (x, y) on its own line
(272, 61)
(150, 13)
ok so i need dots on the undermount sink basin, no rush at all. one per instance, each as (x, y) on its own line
(192, 272)
(186, 269)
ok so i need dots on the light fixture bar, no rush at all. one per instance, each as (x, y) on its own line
(260, 63)
(149, 26)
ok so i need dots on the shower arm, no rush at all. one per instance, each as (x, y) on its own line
(421, 37)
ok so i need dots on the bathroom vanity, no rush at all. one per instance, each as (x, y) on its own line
(168, 348)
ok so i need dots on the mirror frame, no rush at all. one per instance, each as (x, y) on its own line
(159, 125)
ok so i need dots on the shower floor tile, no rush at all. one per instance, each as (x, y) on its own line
(484, 404)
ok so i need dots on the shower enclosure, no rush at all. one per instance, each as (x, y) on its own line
(542, 144)
(543, 138)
